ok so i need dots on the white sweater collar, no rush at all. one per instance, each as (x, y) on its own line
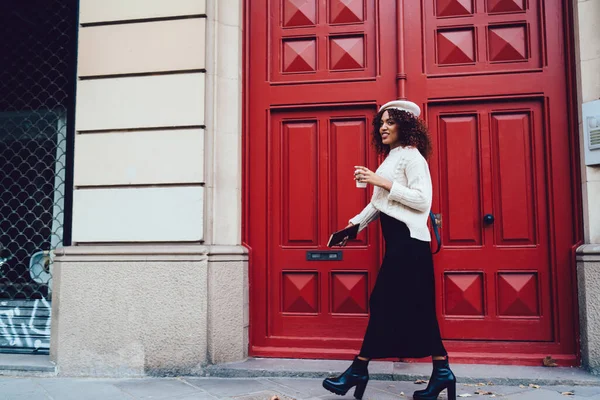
(397, 149)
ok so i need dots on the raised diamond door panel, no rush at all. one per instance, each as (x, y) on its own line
(453, 8)
(463, 294)
(350, 293)
(300, 292)
(299, 55)
(505, 6)
(299, 13)
(456, 46)
(507, 43)
(518, 294)
(347, 53)
(346, 11)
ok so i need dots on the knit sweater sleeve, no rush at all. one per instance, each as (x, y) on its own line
(417, 193)
(366, 216)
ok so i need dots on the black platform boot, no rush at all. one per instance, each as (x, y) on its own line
(356, 375)
(441, 378)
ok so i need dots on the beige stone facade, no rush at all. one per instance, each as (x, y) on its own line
(157, 279)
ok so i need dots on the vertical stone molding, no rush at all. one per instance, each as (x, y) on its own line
(223, 166)
(587, 48)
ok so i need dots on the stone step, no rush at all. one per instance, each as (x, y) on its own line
(510, 375)
(21, 364)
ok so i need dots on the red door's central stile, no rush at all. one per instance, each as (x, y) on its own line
(488, 79)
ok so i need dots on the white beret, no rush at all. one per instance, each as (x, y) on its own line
(403, 105)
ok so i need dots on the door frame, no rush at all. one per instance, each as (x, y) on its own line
(568, 335)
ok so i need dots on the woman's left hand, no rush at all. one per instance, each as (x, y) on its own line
(364, 174)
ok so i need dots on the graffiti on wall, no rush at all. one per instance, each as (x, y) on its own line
(25, 324)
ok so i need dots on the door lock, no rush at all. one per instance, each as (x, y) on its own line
(488, 219)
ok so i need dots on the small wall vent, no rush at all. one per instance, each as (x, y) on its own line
(591, 132)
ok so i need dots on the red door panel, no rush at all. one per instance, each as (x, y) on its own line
(312, 193)
(493, 275)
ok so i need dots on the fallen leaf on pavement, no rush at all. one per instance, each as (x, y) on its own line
(548, 361)
(483, 392)
(531, 385)
(568, 394)
(420, 381)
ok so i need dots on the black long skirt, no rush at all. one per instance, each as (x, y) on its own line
(402, 321)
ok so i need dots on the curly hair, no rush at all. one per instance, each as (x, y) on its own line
(411, 132)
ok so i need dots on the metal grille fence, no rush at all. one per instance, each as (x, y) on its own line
(37, 73)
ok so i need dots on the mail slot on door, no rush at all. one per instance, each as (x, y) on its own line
(324, 256)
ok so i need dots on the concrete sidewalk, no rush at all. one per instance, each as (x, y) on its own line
(15, 388)
(34, 377)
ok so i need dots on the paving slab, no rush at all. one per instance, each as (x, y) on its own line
(195, 396)
(231, 387)
(20, 389)
(75, 389)
(156, 388)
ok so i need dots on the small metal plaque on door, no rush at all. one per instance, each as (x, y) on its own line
(324, 256)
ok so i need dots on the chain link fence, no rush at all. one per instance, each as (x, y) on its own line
(37, 80)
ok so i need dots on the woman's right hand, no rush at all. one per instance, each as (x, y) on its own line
(346, 238)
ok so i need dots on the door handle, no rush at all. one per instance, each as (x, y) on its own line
(488, 219)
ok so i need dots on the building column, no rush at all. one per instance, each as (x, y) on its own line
(587, 35)
(228, 304)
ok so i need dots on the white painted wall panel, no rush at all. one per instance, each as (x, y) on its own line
(137, 158)
(142, 47)
(120, 10)
(140, 102)
(166, 214)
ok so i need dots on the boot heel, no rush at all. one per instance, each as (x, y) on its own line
(452, 391)
(360, 390)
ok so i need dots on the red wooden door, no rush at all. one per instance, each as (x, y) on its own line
(315, 80)
(491, 76)
(495, 276)
(492, 84)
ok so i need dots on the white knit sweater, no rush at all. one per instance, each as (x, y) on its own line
(409, 200)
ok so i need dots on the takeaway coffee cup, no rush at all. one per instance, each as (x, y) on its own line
(360, 185)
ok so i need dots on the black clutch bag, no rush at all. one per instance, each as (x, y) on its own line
(338, 237)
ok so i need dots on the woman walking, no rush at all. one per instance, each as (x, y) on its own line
(402, 321)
